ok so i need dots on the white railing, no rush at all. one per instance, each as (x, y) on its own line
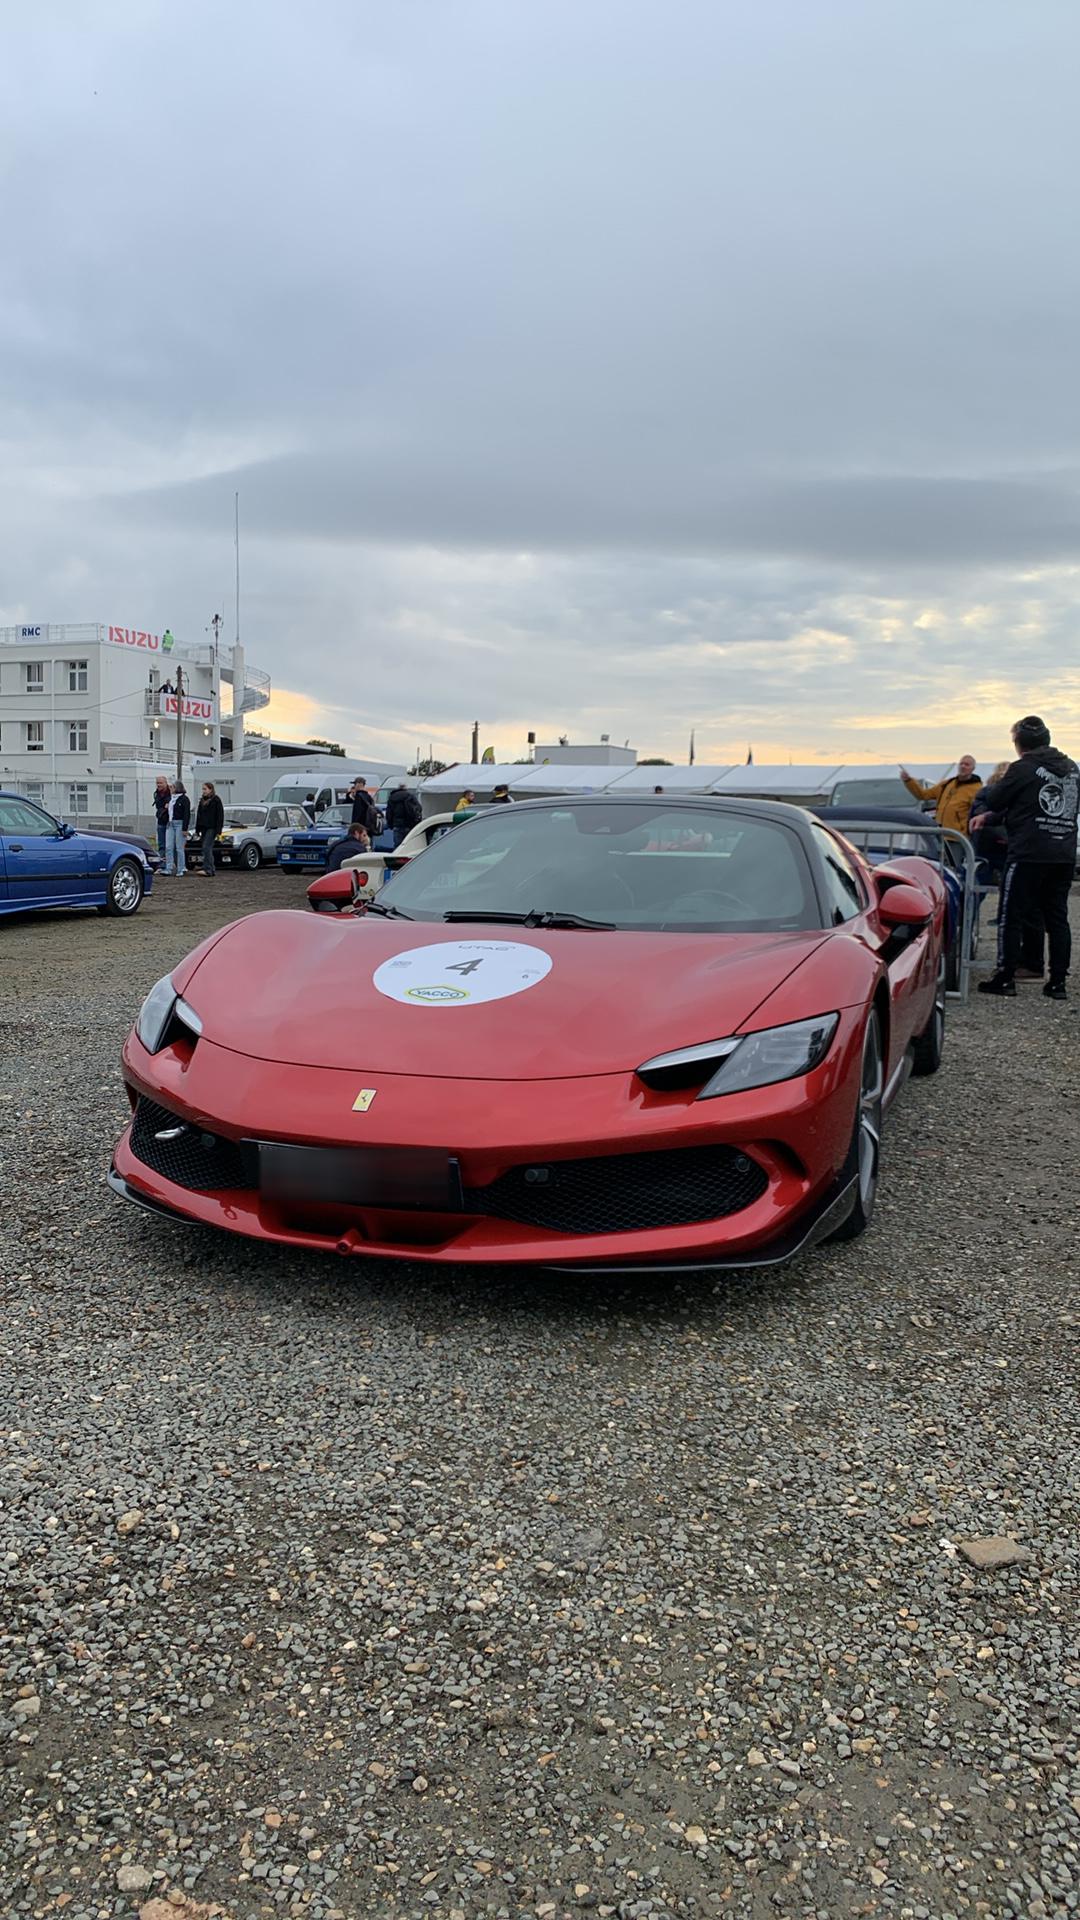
(83, 633)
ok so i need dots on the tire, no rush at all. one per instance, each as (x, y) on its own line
(250, 856)
(929, 1045)
(125, 890)
(863, 1163)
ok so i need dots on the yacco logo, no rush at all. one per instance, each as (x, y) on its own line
(436, 993)
(134, 637)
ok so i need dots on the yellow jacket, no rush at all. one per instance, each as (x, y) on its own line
(952, 798)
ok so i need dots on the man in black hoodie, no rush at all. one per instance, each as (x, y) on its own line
(1038, 797)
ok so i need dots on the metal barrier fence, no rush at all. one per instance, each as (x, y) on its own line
(928, 841)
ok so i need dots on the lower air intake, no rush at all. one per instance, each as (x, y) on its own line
(624, 1192)
(201, 1162)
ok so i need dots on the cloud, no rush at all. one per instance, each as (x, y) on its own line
(617, 368)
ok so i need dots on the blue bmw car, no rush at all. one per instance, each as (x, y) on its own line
(44, 863)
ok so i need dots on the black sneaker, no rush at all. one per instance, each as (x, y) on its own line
(1055, 990)
(998, 984)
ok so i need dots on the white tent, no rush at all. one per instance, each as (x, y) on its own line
(673, 779)
(765, 780)
(807, 783)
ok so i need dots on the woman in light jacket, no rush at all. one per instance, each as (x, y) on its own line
(176, 831)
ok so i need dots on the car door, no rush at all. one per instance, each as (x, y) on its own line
(43, 866)
(269, 835)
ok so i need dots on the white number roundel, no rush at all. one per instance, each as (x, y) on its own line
(461, 973)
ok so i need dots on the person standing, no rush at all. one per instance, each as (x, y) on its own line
(501, 795)
(209, 820)
(1038, 797)
(363, 810)
(176, 831)
(402, 812)
(951, 798)
(468, 799)
(162, 796)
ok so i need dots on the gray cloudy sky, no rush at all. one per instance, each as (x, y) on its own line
(622, 365)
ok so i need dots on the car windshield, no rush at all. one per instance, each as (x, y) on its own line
(624, 865)
(883, 792)
(245, 816)
(336, 817)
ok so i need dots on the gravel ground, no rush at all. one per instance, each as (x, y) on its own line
(338, 1591)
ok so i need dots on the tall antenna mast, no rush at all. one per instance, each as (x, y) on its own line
(236, 498)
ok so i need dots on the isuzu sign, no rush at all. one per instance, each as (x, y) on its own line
(134, 637)
(193, 709)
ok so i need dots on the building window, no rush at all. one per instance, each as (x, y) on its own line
(114, 796)
(76, 676)
(34, 790)
(34, 671)
(76, 736)
(78, 797)
(35, 736)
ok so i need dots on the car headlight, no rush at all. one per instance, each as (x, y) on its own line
(286, 840)
(777, 1053)
(225, 839)
(162, 1005)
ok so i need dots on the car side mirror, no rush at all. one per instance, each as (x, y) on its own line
(331, 892)
(904, 906)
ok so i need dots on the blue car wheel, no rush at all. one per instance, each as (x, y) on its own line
(125, 889)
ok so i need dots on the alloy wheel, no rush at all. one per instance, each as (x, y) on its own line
(125, 888)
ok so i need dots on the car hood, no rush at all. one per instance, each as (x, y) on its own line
(300, 989)
(109, 846)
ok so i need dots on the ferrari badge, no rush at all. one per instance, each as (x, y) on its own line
(364, 1099)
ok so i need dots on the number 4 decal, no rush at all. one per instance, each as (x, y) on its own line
(465, 966)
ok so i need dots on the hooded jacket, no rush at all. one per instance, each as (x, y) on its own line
(1038, 797)
(952, 798)
(402, 810)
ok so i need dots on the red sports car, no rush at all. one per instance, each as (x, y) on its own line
(596, 1032)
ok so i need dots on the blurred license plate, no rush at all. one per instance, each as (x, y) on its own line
(361, 1176)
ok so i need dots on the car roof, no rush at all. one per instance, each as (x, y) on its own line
(781, 812)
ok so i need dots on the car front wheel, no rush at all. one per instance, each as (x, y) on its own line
(125, 889)
(864, 1154)
(250, 856)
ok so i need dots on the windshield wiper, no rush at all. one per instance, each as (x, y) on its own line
(380, 906)
(534, 918)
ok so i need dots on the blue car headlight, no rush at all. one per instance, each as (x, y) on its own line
(777, 1053)
(286, 840)
(161, 1007)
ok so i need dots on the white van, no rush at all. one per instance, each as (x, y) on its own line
(313, 794)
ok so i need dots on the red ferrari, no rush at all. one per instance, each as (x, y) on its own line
(598, 1033)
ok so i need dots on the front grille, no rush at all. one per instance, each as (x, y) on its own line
(202, 1162)
(624, 1192)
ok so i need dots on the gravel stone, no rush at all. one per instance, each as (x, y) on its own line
(350, 1577)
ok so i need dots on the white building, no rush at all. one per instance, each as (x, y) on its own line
(89, 715)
